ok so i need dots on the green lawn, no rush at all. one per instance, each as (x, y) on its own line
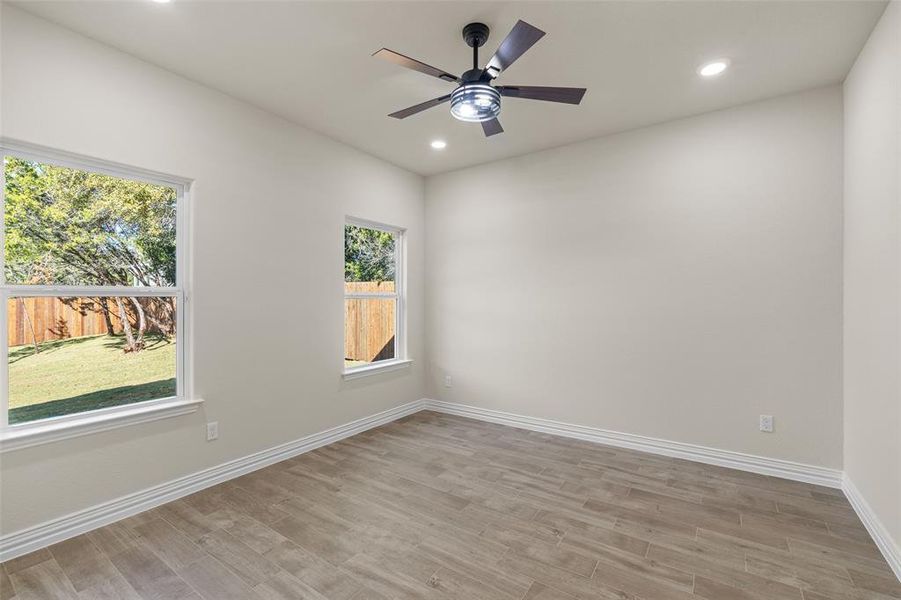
(87, 373)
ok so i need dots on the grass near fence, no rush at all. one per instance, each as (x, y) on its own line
(87, 373)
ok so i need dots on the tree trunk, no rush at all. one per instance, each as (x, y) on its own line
(104, 308)
(165, 325)
(142, 324)
(34, 337)
(126, 327)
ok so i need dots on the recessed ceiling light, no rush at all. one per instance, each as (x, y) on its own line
(439, 144)
(162, 1)
(712, 69)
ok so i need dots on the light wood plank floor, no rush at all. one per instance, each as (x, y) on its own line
(435, 506)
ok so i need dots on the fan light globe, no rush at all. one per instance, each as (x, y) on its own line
(475, 102)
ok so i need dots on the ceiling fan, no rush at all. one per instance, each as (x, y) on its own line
(475, 100)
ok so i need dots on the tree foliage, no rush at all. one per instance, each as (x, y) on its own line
(368, 254)
(70, 227)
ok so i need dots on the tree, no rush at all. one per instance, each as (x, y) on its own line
(66, 226)
(368, 254)
(30, 323)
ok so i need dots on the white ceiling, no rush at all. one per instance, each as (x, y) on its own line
(310, 62)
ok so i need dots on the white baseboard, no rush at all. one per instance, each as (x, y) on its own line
(27, 540)
(712, 456)
(877, 530)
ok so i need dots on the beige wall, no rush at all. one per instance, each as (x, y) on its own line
(268, 196)
(872, 265)
(675, 281)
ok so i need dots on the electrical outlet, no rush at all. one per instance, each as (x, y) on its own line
(766, 423)
(447, 381)
(212, 431)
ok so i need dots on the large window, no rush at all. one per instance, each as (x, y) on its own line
(92, 288)
(373, 296)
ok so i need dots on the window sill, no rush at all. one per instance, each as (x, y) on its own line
(376, 369)
(16, 437)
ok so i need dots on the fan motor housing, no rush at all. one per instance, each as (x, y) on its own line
(475, 75)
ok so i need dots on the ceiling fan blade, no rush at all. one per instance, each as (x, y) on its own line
(492, 127)
(412, 63)
(522, 37)
(403, 114)
(566, 95)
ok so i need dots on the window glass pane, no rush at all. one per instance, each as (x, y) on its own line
(368, 254)
(66, 226)
(368, 330)
(70, 355)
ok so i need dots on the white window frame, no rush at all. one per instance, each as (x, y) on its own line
(401, 359)
(21, 435)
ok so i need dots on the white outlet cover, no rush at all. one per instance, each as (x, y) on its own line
(447, 381)
(212, 431)
(766, 423)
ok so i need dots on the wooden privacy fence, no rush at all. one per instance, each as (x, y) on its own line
(52, 319)
(369, 322)
(368, 333)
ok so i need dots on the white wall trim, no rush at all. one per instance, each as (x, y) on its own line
(711, 456)
(26, 435)
(376, 368)
(27, 540)
(876, 529)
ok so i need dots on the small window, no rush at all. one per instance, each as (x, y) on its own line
(92, 287)
(373, 294)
